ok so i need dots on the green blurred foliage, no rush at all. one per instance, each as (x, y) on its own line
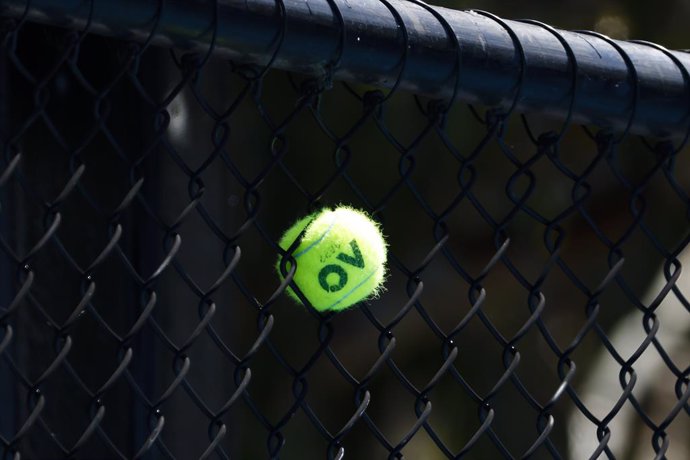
(643, 20)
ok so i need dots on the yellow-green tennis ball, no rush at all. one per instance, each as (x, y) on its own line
(341, 258)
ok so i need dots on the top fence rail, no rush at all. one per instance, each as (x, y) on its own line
(473, 56)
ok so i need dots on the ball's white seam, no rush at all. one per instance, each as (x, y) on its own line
(315, 243)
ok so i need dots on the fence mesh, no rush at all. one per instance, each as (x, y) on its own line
(534, 307)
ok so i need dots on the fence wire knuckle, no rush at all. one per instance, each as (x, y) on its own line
(535, 202)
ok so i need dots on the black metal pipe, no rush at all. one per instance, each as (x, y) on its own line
(249, 31)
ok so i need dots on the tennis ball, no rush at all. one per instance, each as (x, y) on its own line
(341, 258)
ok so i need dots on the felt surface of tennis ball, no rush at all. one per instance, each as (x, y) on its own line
(341, 258)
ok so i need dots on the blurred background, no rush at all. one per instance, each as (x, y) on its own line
(660, 22)
(194, 171)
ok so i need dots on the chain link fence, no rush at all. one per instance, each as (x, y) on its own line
(535, 305)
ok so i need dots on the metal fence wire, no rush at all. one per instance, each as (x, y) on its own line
(532, 184)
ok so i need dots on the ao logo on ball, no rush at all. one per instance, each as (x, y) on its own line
(356, 260)
(331, 248)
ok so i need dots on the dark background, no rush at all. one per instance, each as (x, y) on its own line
(247, 176)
